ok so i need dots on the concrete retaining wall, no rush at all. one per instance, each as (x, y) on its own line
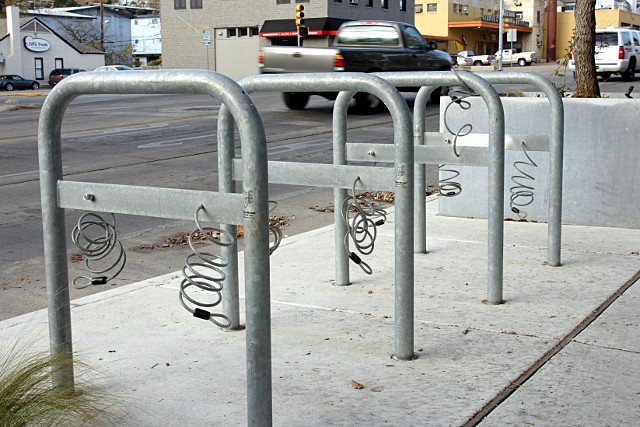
(601, 160)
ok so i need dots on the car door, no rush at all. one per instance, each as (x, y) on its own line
(635, 36)
(18, 82)
(418, 55)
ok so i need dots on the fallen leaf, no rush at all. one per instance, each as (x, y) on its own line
(356, 385)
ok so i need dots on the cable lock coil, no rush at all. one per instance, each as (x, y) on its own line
(202, 271)
(522, 193)
(362, 226)
(97, 239)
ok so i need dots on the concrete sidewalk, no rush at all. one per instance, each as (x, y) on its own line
(563, 350)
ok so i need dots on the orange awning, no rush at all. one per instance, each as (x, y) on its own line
(486, 25)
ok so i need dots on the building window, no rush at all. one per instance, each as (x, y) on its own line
(403, 5)
(39, 68)
(337, 1)
(232, 32)
(195, 4)
(369, 3)
(537, 16)
(385, 4)
(283, 1)
(353, 2)
(179, 4)
(243, 32)
(59, 63)
(418, 8)
(432, 7)
(455, 8)
(254, 32)
(302, 1)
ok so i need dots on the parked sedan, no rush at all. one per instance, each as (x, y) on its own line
(114, 68)
(460, 60)
(10, 82)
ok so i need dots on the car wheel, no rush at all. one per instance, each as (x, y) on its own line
(367, 103)
(8, 87)
(477, 63)
(295, 101)
(35, 86)
(630, 73)
(604, 76)
(522, 62)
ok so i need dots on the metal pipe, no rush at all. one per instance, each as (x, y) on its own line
(226, 184)
(340, 194)
(420, 203)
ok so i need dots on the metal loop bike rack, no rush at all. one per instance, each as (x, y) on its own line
(252, 211)
(428, 81)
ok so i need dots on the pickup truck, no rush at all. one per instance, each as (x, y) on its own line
(477, 59)
(360, 46)
(511, 56)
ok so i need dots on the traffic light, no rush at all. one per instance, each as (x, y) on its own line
(299, 15)
(303, 31)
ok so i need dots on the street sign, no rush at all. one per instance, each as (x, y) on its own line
(206, 37)
(512, 35)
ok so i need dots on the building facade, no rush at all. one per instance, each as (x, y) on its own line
(457, 25)
(225, 35)
(30, 48)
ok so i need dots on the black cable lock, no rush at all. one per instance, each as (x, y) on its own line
(201, 314)
(99, 280)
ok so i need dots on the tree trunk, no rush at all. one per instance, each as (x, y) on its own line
(584, 45)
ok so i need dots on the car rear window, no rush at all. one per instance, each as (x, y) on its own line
(606, 39)
(377, 35)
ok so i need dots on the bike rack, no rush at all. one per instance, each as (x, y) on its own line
(251, 208)
(556, 151)
(428, 81)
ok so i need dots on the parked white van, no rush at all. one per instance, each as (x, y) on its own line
(617, 52)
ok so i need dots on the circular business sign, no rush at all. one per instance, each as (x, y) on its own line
(36, 45)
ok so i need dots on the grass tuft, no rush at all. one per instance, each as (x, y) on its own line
(28, 398)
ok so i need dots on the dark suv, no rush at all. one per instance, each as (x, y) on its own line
(60, 73)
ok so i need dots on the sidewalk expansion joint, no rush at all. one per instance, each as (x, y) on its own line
(533, 369)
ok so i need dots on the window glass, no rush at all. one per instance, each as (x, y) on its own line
(370, 34)
(413, 39)
(606, 39)
(432, 7)
(179, 4)
(195, 4)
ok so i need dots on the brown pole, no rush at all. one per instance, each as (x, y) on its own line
(552, 15)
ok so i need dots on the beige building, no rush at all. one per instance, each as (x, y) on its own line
(474, 24)
(604, 18)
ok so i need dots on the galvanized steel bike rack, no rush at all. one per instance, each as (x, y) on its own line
(341, 176)
(251, 208)
(555, 148)
(428, 81)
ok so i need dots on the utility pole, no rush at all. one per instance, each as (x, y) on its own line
(101, 25)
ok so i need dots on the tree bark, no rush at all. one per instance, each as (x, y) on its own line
(584, 45)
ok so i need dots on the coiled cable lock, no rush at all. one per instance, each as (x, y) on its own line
(97, 240)
(362, 226)
(202, 271)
